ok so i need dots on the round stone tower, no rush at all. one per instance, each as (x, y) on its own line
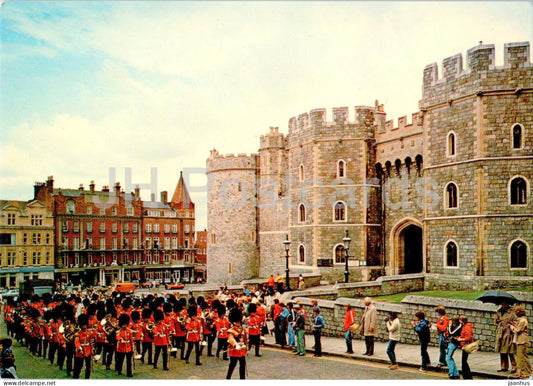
(232, 242)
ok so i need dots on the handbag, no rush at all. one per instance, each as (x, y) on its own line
(354, 327)
(471, 347)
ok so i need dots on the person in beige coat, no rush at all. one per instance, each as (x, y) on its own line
(519, 327)
(504, 337)
(369, 325)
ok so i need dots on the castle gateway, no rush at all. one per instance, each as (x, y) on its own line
(447, 194)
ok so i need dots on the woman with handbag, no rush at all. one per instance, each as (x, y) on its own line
(467, 336)
(349, 320)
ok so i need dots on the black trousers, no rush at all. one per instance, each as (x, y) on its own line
(242, 367)
(369, 342)
(255, 340)
(164, 351)
(70, 357)
(210, 338)
(119, 360)
(44, 346)
(61, 354)
(317, 333)
(424, 354)
(222, 345)
(465, 368)
(147, 348)
(107, 355)
(78, 364)
(179, 343)
(196, 346)
(52, 351)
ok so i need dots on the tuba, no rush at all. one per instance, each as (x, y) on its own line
(110, 327)
(69, 332)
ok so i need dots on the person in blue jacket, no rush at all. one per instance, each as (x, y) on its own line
(318, 324)
(421, 327)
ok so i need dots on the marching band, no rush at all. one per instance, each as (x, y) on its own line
(131, 329)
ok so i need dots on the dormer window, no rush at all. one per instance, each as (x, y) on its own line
(71, 207)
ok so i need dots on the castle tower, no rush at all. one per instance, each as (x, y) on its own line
(479, 163)
(272, 200)
(332, 189)
(232, 242)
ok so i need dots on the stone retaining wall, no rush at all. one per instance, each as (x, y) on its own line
(480, 314)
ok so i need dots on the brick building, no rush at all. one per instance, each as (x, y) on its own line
(26, 242)
(447, 195)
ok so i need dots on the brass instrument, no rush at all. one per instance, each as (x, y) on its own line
(110, 327)
(69, 332)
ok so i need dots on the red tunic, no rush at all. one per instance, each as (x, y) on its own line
(124, 340)
(147, 336)
(83, 344)
(239, 334)
(254, 325)
(222, 325)
(160, 334)
(194, 328)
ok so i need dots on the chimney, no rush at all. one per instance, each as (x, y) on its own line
(81, 187)
(137, 191)
(164, 196)
(91, 186)
(152, 197)
(50, 184)
(117, 188)
(105, 188)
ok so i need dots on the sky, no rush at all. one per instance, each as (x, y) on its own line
(97, 90)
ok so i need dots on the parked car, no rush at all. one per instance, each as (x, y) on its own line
(128, 288)
(174, 286)
(149, 284)
(12, 292)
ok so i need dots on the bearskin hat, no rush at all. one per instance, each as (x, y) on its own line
(146, 313)
(252, 308)
(83, 320)
(192, 311)
(167, 307)
(235, 315)
(158, 315)
(123, 320)
(221, 310)
(135, 316)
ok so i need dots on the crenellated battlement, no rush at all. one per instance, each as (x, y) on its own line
(479, 59)
(273, 139)
(217, 161)
(362, 115)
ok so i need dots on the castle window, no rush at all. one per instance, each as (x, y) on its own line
(451, 196)
(339, 211)
(70, 207)
(398, 166)
(518, 252)
(341, 166)
(517, 136)
(451, 254)
(408, 163)
(518, 191)
(450, 144)
(301, 173)
(339, 254)
(419, 164)
(301, 254)
(379, 170)
(301, 213)
(388, 166)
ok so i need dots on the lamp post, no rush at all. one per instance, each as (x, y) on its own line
(346, 241)
(287, 245)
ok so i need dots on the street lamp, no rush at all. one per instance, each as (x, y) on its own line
(346, 241)
(287, 245)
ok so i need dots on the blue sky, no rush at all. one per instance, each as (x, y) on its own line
(88, 86)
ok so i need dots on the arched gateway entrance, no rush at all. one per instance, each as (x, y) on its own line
(407, 251)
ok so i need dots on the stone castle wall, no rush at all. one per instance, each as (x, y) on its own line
(396, 177)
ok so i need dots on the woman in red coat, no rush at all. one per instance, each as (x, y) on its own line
(467, 336)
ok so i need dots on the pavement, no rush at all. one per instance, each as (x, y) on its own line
(482, 364)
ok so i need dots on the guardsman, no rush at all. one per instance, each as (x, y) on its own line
(148, 336)
(54, 339)
(180, 318)
(47, 332)
(238, 343)
(208, 327)
(222, 325)
(110, 339)
(124, 345)
(84, 344)
(136, 329)
(254, 328)
(161, 335)
(194, 330)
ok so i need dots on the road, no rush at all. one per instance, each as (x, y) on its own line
(274, 364)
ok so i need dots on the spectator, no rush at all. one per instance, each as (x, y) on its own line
(369, 325)
(349, 319)
(522, 340)
(8, 369)
(279, 283)
(393, 327)
(467, 336)
(318, 324)
(442, 332)
(504, 338)
(299, 329)
(421, 326)
(301, 283)
(270, 284)
(454, 332)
